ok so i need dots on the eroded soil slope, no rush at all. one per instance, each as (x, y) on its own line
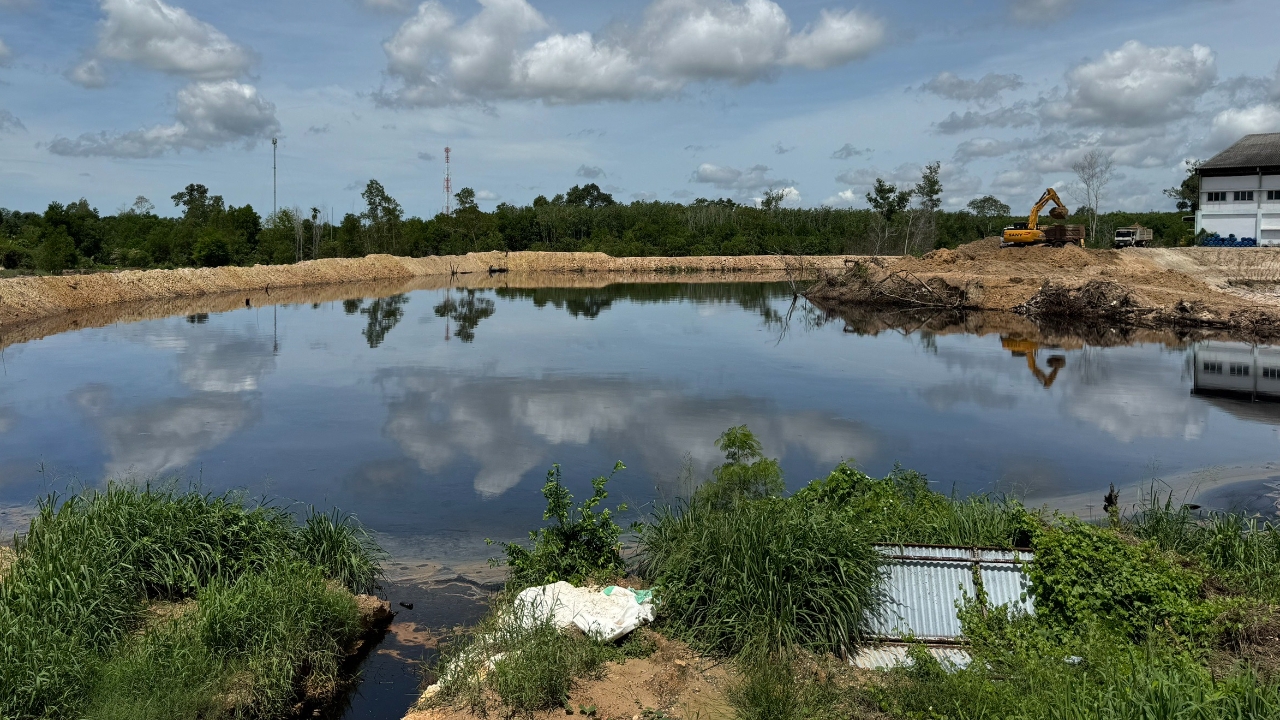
(1231, 289)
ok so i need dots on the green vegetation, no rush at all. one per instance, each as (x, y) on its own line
(582, 544)
(138, 602)
(1162, 614)
(209, 232)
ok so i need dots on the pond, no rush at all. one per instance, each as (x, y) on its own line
(434, 414)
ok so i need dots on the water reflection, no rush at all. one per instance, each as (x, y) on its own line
(507, 427)
(383, 315)
(466, 312)
(591, 302)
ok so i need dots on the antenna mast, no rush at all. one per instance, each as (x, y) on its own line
(448, 185)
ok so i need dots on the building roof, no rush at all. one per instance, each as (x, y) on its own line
(1250, 153)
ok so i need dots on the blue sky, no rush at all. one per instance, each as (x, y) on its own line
(667, 99)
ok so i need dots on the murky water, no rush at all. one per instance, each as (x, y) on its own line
(434, 415)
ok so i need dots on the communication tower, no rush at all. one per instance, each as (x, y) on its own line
(448, 185)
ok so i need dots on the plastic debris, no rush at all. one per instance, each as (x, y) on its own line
(606, 614)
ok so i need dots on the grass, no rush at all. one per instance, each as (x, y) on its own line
(74, 633)
(766, 568)
(1162, 615)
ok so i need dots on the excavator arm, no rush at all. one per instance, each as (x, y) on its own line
(1059, 212)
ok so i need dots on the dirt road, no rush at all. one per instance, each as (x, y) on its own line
(1233, 289)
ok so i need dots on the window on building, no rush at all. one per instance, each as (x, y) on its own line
(1213, 368)
(1273, 194)
(1271, 373)
(1244, 196)
(1217, 197)
(1239, 370)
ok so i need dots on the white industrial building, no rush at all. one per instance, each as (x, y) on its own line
(1240, 190)
(1236, 370)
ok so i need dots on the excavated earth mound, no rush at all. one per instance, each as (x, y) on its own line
(1136, 287)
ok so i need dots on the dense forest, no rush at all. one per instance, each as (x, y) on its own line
(208, 232)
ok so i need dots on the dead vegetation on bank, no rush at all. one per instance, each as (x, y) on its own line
(1133, 288)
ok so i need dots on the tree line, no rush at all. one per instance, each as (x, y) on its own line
(208, 232)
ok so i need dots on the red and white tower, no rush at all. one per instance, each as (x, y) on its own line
(448, 185)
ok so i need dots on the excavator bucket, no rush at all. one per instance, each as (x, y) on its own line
(1058, 213)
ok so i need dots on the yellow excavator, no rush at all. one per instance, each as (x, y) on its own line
(1027, 349)
(1029, 233)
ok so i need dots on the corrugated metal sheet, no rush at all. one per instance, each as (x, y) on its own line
(886, 657)
(925, 585)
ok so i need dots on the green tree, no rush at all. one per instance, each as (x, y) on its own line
(57, 251)
(888, 202)
(199, 208)
(589, 195)
(746, 473)
(987, 208)
(466, 199)
(382, 218)
(1187, 194)
(211, 248)
(772, 199)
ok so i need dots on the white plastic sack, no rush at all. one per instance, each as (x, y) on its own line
(606, 614)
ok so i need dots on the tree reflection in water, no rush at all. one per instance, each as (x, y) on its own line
(467, 311)
(383, 314)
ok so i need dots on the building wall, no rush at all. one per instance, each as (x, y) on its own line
(1238, 368)
(1259, 218)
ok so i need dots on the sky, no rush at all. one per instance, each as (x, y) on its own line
(659, 100)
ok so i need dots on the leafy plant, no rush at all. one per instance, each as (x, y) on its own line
(746, 473)
(581, 544)
(1085, 574)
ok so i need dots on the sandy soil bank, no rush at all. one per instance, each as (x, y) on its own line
(33, 307)
(28, 298)
(1230, 289)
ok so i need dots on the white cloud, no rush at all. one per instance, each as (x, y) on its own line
(6, 55)
(214, 110)
(753, 179)
(1029, 11)
(836, 39)
(1017, 182)
(209, 115)
(987, 88)
(985, 147)
(590, 172)
(1234, 123)
(160, 37)
(10, 122)
(487, 195)
(1018, 114)
(496, 55)
(1135, 86)
(392, 6)
(790, 197)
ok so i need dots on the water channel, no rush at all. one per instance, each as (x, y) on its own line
(433, 415)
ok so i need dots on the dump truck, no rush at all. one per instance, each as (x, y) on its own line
(1030, 233)
(1133, 236)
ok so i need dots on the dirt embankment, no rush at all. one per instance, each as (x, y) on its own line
(1233, 290)
(25, 299)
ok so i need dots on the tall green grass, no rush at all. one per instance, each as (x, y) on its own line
(1242, 551)
(84, 574)
(770, 568)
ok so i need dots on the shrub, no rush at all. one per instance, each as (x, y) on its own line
(580, 545)
(769, 568)
(1084, 574)
(901, 508)
(339, 545)
(746, 474)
